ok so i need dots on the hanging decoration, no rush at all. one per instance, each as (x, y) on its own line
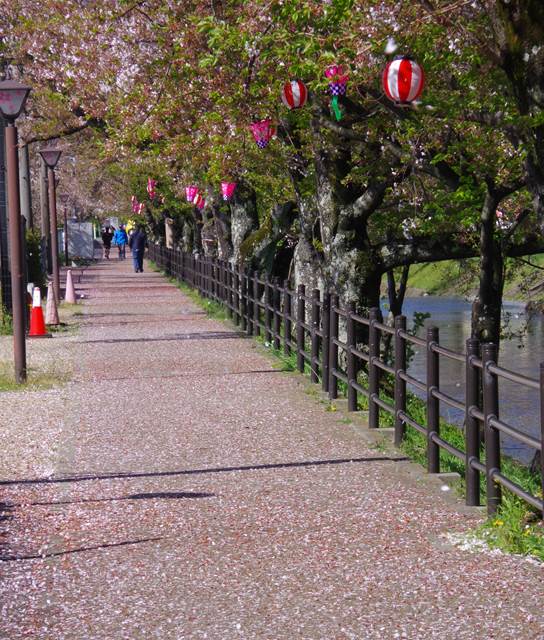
(199, 201)
(262, 131)
(151, 184)
(190, 192)
(403, 80)
(338, 81)
(134, 204)
(294, 94)
(227, 189)
(140, 209)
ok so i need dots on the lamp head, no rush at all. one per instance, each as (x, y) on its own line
(13, 96)
(50, 156)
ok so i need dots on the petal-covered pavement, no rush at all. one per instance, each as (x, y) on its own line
(181, 486)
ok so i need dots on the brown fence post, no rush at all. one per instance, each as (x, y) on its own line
(433, 406)
(236, 295)
(214, 279)
(351, 368)
(301, 317)
(472, 427)
(256, 308)
(286, 318)
(400, 384)
(210, 285)
(490, 386)
(267, 311)
(228, 288)
(248, 287)
(276, 304)
(325, 330)
(314, 351)
(243, 299)
(542, 429)
(333, 347)
(373, 371)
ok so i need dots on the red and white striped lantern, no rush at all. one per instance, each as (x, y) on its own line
(190, 192)
(294, 94)
(403, 80)
(227, 189)
(199, 201)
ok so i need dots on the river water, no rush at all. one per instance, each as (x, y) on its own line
(519, 406)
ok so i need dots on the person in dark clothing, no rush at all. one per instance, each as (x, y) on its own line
(107, 236)
(137, 244)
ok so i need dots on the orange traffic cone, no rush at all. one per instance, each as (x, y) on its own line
(37, 324)
(51, 313)
(69, 294)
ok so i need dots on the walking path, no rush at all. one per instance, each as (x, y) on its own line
(180, 487)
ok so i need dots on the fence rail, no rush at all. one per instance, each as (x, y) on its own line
(341, 347)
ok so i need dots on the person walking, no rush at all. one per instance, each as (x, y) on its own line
(121, 239)
(107, 236)
(137, 244)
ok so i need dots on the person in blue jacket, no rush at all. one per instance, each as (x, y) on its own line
(120, 238)
(138, 243)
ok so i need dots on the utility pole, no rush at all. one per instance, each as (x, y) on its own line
(5, 273)
(24, 186)
(45, 242)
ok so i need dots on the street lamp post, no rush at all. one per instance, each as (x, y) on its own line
(13, 96)
(51, 157)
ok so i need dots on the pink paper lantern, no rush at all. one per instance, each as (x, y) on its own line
(199, 201)
(337, 79)
(140, 209)
(262, 131)
(151, 188)
(403, 80)
(191, 192)
(134, 204)
(227, 189)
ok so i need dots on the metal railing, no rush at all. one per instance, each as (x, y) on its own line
(308, 326)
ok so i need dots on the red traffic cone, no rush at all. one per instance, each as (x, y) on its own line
(37, 324)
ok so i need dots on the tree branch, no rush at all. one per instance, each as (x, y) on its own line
(69, 131)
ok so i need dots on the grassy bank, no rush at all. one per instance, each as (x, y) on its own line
(460, 278)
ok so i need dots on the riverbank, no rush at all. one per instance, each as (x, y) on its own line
(524, 283)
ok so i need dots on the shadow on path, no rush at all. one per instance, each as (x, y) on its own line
(204, 335)
(194, 375)
(43, 556)
(190, 472)
(159, 495)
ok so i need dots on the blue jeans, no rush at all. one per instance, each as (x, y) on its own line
(138, 259)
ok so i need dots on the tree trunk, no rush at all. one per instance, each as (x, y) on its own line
(244, 219)
(353, 268)
(486, 308)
